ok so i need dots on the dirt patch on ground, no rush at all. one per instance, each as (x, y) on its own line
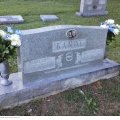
(71, 102)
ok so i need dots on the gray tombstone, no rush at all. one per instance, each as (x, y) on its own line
(54, 52)
(13, 19)
(48, 18)
(54, 59)
(92, 8)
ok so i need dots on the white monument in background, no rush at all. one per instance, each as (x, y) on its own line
(92, 8)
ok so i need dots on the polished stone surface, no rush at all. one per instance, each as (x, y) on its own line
(92, 8)
(19, 93)
(48, 18)
(60, 51)
(12, 19)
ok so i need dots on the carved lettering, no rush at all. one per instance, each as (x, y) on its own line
(59, 46)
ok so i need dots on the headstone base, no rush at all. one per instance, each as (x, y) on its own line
(17, 93)
(91, 14)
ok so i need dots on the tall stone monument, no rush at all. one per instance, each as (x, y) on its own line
(92, 8)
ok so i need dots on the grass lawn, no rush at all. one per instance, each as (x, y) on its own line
(102, 98)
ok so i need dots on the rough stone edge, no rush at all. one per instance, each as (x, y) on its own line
(110, 75)
(59, 91)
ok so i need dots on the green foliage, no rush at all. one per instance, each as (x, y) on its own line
(73, 96)
(110, 37)
(65, 9)
(6, 50)
(112, 91)
(91, 103)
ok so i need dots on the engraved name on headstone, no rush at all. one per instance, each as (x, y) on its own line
(92, 8)
(58, 52)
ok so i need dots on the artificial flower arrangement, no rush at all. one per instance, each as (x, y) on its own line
(113, 29)
(9, 40)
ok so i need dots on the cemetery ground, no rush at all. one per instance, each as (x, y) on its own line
(101, 98)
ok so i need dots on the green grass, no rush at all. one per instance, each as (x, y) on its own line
(70, 102)
(65, 9)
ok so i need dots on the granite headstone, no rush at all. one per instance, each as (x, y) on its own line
(92, 8)
(49, 18)
(54, 52)
(55, 59)
(12, 19)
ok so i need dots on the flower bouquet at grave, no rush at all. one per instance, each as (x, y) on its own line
(9, 41)
(113, 29)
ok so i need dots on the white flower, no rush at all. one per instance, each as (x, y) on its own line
(110, 21)
(15, 40)
(118, 26)
(81, 92)
(116, 31)
(2, 33)
(104, 26)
